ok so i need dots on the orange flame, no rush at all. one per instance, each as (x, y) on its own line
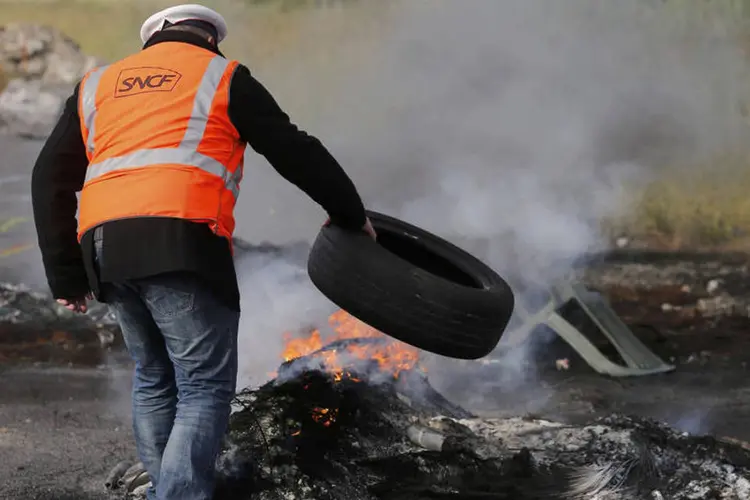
(325, 416)
(391, 356)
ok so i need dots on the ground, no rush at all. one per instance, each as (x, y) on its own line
(64, 425)
(664, 298)
(58, 431)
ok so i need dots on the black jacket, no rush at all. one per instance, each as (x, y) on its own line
(140, 247)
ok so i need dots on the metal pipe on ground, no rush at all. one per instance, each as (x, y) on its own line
(426, 438)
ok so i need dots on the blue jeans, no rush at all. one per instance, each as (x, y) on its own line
(184, 344)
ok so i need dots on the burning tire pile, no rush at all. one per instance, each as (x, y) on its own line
(334, 426)
(375, 442)
(354, 417)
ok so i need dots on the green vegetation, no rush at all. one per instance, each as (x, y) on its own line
(703, 206)
(269, 27)
(707, 208)
(3, 79)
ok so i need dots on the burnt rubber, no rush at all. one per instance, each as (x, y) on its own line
(413, 286)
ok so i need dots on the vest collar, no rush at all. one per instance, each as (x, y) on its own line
(183, 37)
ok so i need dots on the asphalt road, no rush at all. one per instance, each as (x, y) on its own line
(19, 255)
(59, 427)
(61, 430)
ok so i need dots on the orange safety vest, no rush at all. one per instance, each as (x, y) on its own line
(159, 139)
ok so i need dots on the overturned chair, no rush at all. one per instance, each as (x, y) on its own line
(638, 358)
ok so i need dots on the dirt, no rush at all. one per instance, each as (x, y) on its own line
(691, 309)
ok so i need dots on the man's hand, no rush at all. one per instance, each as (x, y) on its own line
(76, 305)
(367, 228)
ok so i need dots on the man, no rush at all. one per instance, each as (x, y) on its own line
(155, 144)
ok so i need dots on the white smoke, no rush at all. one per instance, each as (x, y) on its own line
(511, 126)
(277, 299)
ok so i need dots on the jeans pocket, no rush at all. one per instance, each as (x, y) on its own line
(170, 295)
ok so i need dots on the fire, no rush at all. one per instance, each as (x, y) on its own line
(325, 416)
(390, 355)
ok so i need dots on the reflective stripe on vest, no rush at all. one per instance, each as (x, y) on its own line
(88, 104)
(156, 157)
(186, 153)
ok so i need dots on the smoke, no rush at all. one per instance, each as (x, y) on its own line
(277, 299)
(695, 421)
(511, 127)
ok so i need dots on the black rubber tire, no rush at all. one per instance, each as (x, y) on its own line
(413, 286)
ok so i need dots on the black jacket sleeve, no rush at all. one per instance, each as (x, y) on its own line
(58, 174)
(298, 157)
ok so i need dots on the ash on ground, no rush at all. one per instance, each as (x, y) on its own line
(311, 437)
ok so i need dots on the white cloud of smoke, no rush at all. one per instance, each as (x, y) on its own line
(509, 126)
(277, 299)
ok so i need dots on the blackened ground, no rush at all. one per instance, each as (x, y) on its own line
(318, 437)
(64, 426)
(313, 438)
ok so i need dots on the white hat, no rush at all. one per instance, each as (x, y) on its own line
(184, 12)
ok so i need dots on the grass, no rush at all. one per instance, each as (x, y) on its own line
(701, 207)
(260, 30)
(283, 42)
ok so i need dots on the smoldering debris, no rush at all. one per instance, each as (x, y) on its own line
(318, 438)
(22, 305)
(338, 436)
(356, 417)
(33, 327)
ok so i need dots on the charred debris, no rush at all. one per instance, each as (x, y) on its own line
(354, 417)
(365, 433)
